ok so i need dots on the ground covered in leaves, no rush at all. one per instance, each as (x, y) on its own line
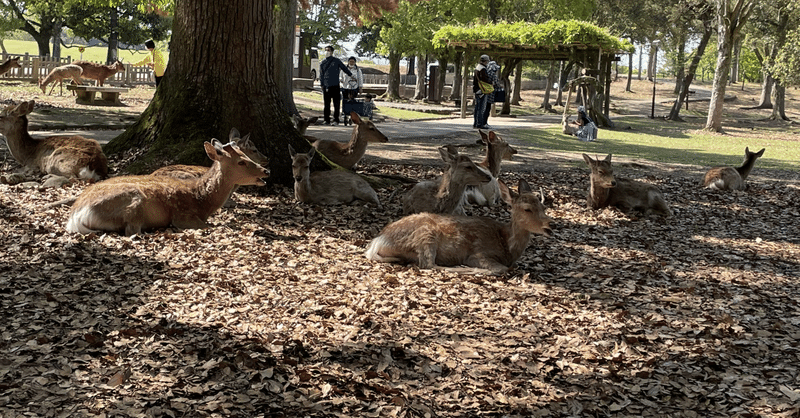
(275, 312)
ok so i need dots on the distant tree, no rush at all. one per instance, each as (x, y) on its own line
(125, 22)
(785, 72)
(39, 18)
(731, 17)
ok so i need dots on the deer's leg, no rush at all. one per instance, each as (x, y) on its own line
(487, 264)
(189, 222)
(426, 255)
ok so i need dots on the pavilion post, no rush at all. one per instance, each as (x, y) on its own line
(464, 58)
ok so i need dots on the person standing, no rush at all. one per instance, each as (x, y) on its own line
(329, 80)
(480, 75)
(154, 60)
(351, 84)
(493, 70)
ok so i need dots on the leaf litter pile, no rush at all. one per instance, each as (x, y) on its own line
(274, 311)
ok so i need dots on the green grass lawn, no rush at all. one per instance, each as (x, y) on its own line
(673, 143)
(95, 53)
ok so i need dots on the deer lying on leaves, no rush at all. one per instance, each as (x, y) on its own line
(347, 155)
(100, 72)
(132, 204)
(730, 178)
(488, 246)
(68, 156)
(488, 194)
(328, 187)
(58, 74)
(444, 195)
(9, 64)
(186, 172)
(626, 195)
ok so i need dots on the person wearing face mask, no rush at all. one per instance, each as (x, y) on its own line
(329, 80)
(351, 84)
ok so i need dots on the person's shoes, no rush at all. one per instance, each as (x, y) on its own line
(486, 127)
(326, 123)
(335, 123)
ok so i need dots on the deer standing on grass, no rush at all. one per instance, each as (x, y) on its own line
(730, 178)
(432, 240)
(488, 194)
(625, 195)
(9, 64)
(346, 155)
(58, 74)
(68, 156)
(328, 187)
(445, 194)
(132, 204)
(100, 72)
(302, 124)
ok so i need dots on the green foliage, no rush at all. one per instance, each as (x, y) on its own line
(550, 34)
(133, 25)
(749, 66)
(787, 62)
(325, 24)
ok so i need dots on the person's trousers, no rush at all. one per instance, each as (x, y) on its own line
(331, 94)
(479, 113)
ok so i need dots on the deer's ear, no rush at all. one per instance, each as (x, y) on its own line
(211, 150)
(292, 152)
(524, 187)
(608, 158)
(505, 193)
(493, 137)
(588, 160)
(234, 134)
(311, 153)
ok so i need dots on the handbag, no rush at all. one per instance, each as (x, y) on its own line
(485, 87)
(499, 96)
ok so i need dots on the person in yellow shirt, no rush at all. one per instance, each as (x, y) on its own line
(154, 60)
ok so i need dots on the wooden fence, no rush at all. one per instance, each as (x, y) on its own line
(34, 66)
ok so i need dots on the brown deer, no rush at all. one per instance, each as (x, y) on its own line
(346, 155)
(100, 72)
(730, 178)
(9, 64)
(245, 145)
(302, 124)
(68, 156)
(58, 74)
(132, 204)
(625, 195)
(328, 187)
(432, 240)
(444, 195)
(568, 127)
(497, 149)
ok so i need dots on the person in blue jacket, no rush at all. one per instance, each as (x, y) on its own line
(329, 80)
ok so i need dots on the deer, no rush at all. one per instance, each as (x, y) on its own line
(497, 149)
(100, 72)
(302, 124)
(58, 74)
(8, 64)
(732, 178)
(568, 127)
(444, 195)
(346, 155)
(328, 187)
(441, 241)
(69, 156)
(626, 195)
(132, 204)
(245, 145)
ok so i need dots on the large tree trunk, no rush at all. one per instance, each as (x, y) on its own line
(630, 72)
(674, 113)
(508, 65)
(641, 52)
(283, 54)
(440, 81)
(393, 87)
(729, 22)
(551, 75)
(422, 68)
(216, 80)
(766, 91)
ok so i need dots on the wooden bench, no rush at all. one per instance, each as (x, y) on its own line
(85, 94)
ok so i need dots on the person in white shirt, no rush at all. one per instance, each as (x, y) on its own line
(351, 84)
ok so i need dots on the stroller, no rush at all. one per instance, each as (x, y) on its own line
(362, 107)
